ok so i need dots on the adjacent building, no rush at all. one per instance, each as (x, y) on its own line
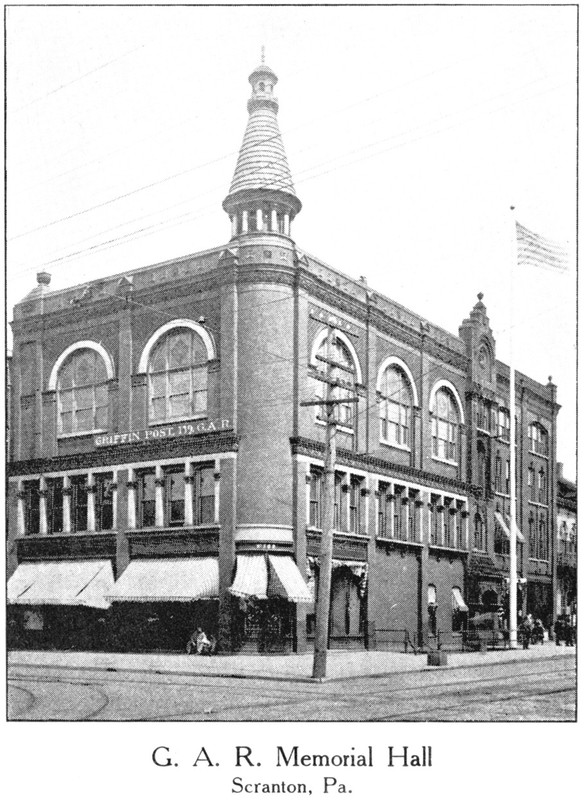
(567, 547)
(164, 474)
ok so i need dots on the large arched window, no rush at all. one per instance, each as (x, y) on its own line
(395, 407)
(445, 424)
(177, 376)
(82, 393)
(334, 361)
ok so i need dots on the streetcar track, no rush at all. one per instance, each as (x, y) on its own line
(463, 686)
(32, 697)
(411, 715)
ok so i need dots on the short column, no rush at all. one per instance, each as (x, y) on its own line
(274, 220)
(287, 224)
(189, 480)
(159, 498)
(91, 503)
(260, 219)
(244, 225)
(234, 225)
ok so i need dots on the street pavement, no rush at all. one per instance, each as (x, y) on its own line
(535, 685)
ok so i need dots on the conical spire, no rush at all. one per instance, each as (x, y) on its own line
(262, 195)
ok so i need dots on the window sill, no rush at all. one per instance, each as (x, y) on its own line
(78, 434)
(541, 455)
(447, 549)
(540, 560)
(175, 420)
(174, 529)
(342, 428)
(404, 447)
(363, 536)
(445, 461)
(68, 534)
(404, 542)
(537, 503)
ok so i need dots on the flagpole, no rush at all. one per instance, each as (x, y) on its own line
(512, 453)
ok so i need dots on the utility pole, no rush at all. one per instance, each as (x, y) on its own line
(328, 501)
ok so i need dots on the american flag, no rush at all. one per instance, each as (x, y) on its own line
(535, 251)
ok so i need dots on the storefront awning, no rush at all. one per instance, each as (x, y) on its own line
(251, 577)
(286, 580)
(457, 600)
(169, 579)
(262, 576)
(62, 583)
(505, 523)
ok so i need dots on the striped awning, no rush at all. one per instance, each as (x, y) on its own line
(62, 583)
(262, 576)
(457, 600)
(286, 580)
(169, 579)
(505, 523)
(251, 577)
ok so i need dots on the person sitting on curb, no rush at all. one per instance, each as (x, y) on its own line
(201, 644)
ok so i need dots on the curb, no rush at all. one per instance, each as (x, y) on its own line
(279, 678)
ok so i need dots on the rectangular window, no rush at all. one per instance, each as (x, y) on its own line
(397, 513)
(339, 516)
(204, 494)
(412, 517)
(355, 506)
(315, 503)
(104, 509)
(31, 506)
(174, 497)
(498, 475)
(384, 510)
(79, 503)
(507, 477)
(449, 512)
(435, 520)
(54, 505)
(504, 425)
(146, 500)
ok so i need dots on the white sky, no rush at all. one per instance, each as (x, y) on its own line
(409, 132)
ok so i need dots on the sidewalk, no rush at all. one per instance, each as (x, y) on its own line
(340, 664)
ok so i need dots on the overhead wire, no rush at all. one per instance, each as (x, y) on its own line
(191, 216)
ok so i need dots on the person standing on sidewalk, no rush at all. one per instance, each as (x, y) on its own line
(525, 630)
(559, 630)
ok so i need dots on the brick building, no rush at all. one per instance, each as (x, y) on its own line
(163, 473)
(567, 546)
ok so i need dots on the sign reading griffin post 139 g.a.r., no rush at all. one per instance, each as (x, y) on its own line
(195, 428)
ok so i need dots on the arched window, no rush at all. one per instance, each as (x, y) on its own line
(334, 361)
(177, 376)
(482, 472)
(479, 532)
(445, 420)
(395, 407)
(538, 439)
(542, 548)
(82, 394)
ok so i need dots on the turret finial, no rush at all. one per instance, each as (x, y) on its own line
(263, 55)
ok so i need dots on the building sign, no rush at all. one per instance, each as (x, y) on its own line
(165, 432)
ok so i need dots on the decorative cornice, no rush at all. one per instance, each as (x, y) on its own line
(129, 453)
(312, 448)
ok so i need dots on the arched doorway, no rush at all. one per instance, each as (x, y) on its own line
(347, 612)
